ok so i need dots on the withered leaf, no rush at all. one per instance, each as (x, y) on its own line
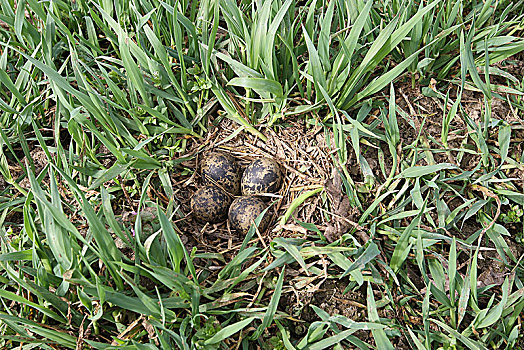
(340, 207)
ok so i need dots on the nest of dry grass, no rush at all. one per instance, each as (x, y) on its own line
(306, 162)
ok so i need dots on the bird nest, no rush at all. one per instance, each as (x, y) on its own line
(307, 162)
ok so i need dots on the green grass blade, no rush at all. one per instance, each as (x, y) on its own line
(229, 331)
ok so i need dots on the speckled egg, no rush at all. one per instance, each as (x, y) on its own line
(210, 204)
(243, 212)
(263, 175)
(221, 170)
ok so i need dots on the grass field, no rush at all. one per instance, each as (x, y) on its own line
(400, 129)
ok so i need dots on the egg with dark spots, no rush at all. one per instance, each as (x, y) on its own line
(243, 212)
(263, 175)
(210, 204)
(221, 170)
